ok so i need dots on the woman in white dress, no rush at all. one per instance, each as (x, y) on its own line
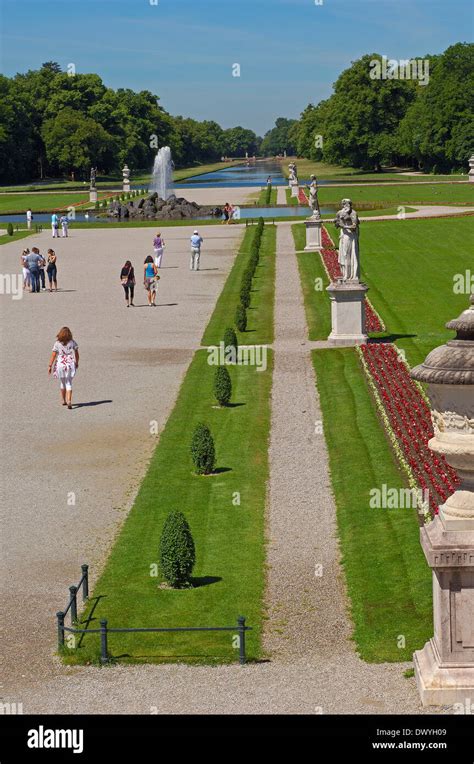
(25, 269)
(158, 247)
(65, 362)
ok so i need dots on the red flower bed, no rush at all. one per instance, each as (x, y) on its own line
(330, 255)
(302, 198)
(410, 419)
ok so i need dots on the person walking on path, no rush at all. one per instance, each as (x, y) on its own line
(54, 225)
(150, 279)
(127, 279)
(29, 218)
(25, 269)
(64, 226)
(196, 241)
(226, 212)
(52, 270)
(65, 362)
(158, 246)
(33, 261)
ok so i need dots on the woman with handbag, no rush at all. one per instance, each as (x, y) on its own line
(127, 279)
(158, 246)
(150, 280)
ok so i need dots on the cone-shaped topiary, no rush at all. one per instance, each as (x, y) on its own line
(222, 386)
(10, 229)
(177, 552)
(245, 295)
(241, 318)
(230, 339)
(203, 450)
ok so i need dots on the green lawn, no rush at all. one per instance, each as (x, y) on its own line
(291, 200)
(260, 313)
(6, 239)
(19, 203)
(444, 193)
(229, 539)
(307, 167)
(388, 580)
(409, 266)
(262, 197)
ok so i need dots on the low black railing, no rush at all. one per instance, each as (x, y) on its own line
(105, 630)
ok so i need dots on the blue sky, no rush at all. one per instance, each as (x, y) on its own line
(290, 51)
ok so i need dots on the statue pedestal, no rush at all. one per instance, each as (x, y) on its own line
(126, 188)
(444, 668)
(313, 235)
(347, 312)
(93, 195)
(295, 190)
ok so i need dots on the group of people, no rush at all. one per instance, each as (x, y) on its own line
(59, 221)
(151, 268)
(228, 212)
(64, 360)
(33, 265)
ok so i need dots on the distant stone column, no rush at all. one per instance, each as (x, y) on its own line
(444, 668)
(471, 169)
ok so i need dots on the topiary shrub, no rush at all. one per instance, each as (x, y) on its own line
(230, 339)
(10, 229)
(247, 277)
(97, 205)
(203, 450)
(177, 551)
(222, 386)
(241, 318)
(245, 295)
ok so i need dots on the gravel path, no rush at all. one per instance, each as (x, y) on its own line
(281, 194)
(313, 666)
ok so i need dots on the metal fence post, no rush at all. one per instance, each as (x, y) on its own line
(60, 617)
(73, 593)
(241, 629)
(103, 641)
(85, 582)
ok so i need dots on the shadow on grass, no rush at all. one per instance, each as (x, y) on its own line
(205, 581)
(85, 623)
(391, 338)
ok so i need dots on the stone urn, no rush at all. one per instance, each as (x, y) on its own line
(471, 169)
(444, 668)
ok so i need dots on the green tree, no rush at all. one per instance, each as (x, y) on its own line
(238, 140)
(277, 140)
(74, 142)
(177, 551)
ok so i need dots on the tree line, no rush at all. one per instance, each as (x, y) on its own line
(384, 114)
(56, 123)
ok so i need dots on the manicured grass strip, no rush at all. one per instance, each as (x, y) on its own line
(308, 167)
(260, 313)
(388, 580)
(6, 239)
(262, 197)
(409, 266)
(291, 200)
(18, 203)
(226, 514)
(314, 281)
(457, 194)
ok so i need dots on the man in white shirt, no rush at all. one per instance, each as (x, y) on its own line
(64, 225)
(196, 241)
(29, 218)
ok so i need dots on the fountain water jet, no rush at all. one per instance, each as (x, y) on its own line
(162, 181)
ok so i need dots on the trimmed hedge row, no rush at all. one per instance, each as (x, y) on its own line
(247, 277)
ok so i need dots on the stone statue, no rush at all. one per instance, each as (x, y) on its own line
(93, 176)
(348, 222)
(313, 198)
(292, 174)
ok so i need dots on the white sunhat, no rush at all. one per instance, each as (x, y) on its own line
(196, 231)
